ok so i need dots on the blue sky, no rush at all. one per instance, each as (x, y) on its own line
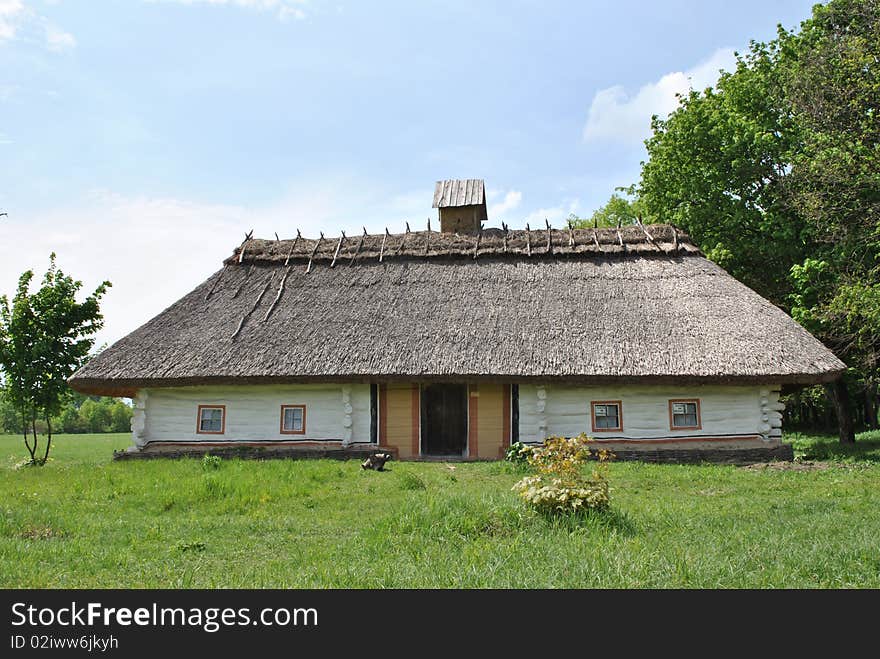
(140, 140)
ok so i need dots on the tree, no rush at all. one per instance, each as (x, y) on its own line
(831, 74)
(716, 167)
(617, 211)
(44, 337)
(776, 174)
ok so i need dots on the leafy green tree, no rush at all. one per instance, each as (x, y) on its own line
(44, 337)
(70, 420)
(10, 420)
(96, 416)
(776, 174)
(716, 167)
(120, 417)
(831, 74)
(617, 211)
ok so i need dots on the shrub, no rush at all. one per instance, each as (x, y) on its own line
(559, 486)
(518, 453)
(211, 462)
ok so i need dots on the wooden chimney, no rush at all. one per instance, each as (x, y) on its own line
(461, 205)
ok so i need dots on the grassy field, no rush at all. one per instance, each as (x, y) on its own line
(84, 521)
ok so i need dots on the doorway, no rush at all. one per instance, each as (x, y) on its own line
(444, 419)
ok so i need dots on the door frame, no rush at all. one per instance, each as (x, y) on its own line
(467, 417)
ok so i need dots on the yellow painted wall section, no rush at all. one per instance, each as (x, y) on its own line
(399, 418)
(490, 421)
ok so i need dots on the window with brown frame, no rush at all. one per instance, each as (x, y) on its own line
(606, 415)
(293, 419)
(684, 414)
(211, 420)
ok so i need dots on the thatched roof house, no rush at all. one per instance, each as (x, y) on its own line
(447, 343)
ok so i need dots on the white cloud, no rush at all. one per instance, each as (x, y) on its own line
(57, 39)
(10, 14)
(285, 9)
(616, 115)
(499, 211)
(18, 21)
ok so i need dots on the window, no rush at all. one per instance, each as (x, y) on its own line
(211, 420)
(607, 415)
(293, 419)
(684, 414)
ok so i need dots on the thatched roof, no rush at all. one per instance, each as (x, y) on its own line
(628, 305)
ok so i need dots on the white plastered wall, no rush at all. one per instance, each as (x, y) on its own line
(253, 413)
(725, 410)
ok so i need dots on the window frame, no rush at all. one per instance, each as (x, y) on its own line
(619, 404)
(293, 432)
(222, 430)
(672, 425)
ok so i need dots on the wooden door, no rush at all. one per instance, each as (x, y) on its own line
(444, 419)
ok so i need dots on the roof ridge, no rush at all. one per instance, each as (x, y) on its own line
(616, 242)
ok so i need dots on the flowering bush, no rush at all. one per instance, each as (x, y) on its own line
(559, 486)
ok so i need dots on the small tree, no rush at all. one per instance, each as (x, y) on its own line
(44, 337)
(559, 486)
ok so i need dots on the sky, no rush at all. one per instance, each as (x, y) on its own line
(141, 139)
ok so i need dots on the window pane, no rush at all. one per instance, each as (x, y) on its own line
(606, 416)
(293, 418)
(687, 418)
(211, 420)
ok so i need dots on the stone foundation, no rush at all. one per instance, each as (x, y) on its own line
(246, 452)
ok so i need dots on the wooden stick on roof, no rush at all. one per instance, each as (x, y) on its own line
(247, 237)
(402, 240)
(648, 235)
(314, 249)
(338, 246)
(428, 237)
(549, 236)
(247, 276)
(277, 239)
(382, 249)
(674, 239)
(277, 296)
(359, 245)
(620, 238)
(596, 239)
(216, 281)
(504, 226)
(292, 247)
(528, 240)
(570, 235)
(253, 308)
(479, 238)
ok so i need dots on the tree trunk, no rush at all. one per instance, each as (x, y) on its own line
(24, 430)
(34, 429)
(870, 404)
(48, 438)
(839, 396)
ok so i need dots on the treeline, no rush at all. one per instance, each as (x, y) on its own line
(79, 414)
(810, 409)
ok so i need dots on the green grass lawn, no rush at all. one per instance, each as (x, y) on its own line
(85, 521)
